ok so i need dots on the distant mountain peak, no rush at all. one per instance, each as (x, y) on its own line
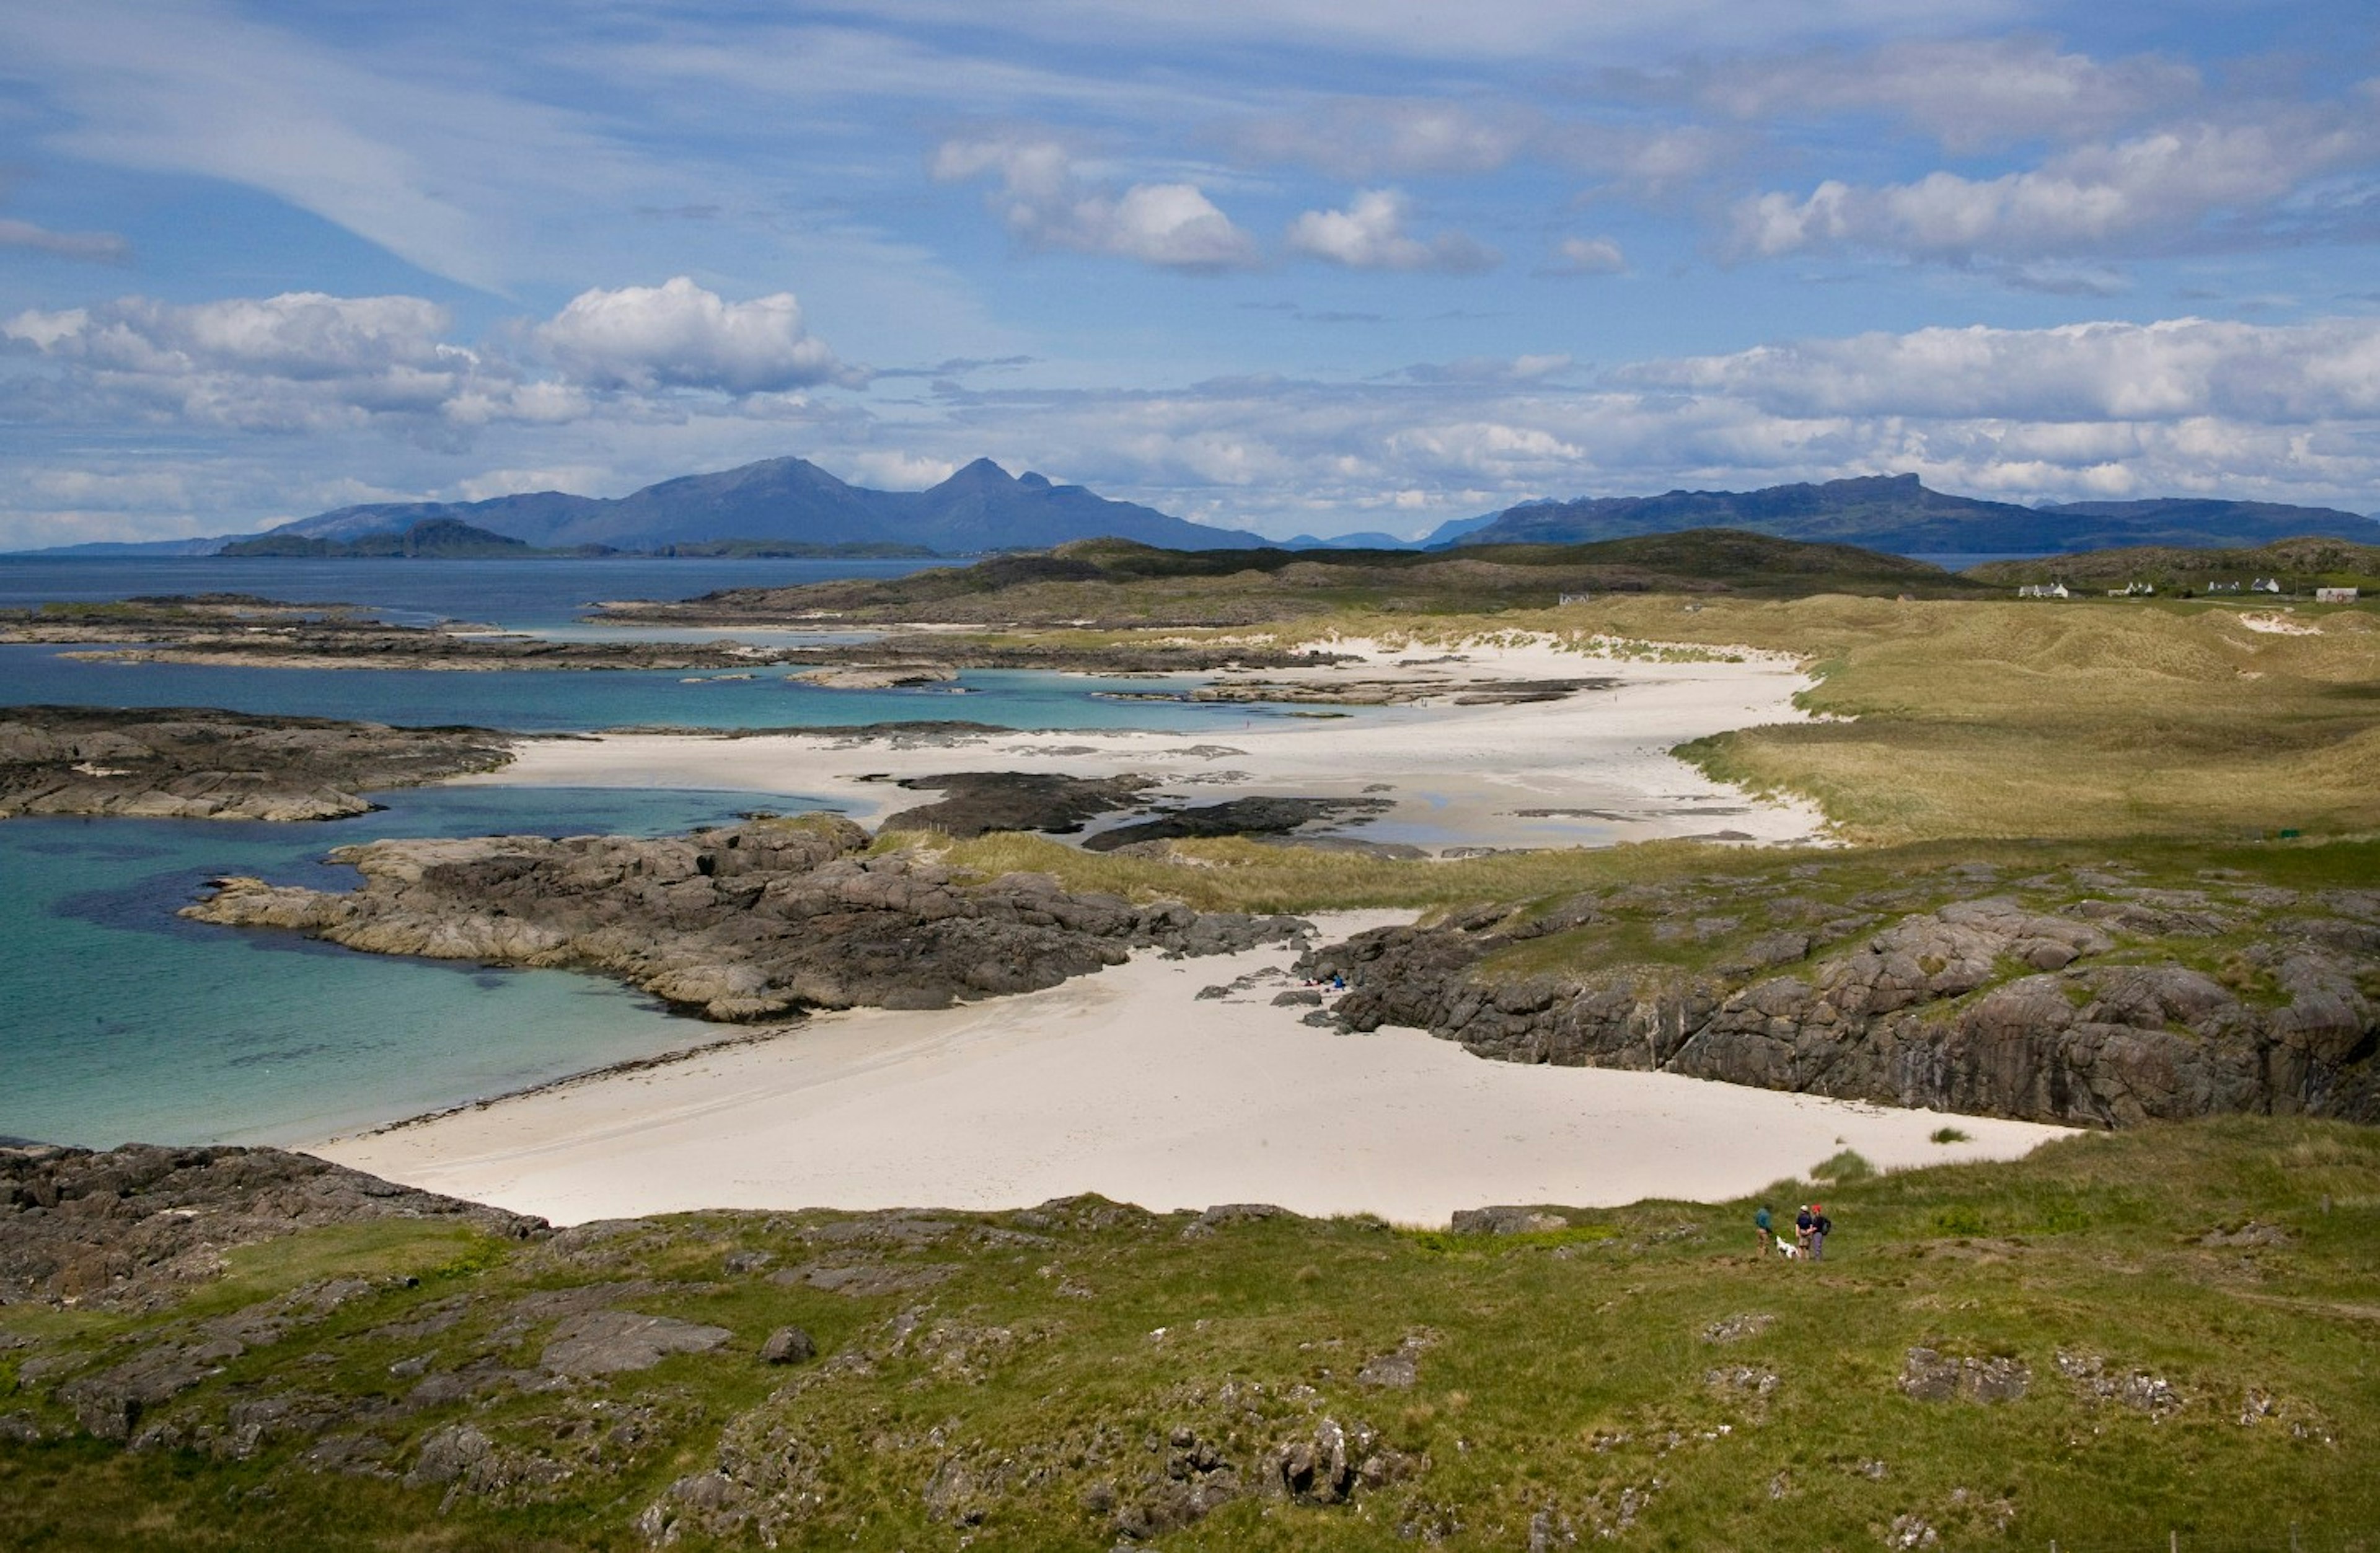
(790, 500)
(1900, 513)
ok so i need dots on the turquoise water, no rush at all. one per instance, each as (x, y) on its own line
(125, 1021)
(120, 1021)
(547, 701)
(518, 594)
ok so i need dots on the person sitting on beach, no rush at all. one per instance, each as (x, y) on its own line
(1765, 1227)
(1820, 1225)
(1803, 1225)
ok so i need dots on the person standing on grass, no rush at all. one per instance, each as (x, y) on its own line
(1803, 1225)
(1820, 1225)
(1766, 1228)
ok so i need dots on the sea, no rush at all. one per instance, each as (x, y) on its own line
(120, 1021)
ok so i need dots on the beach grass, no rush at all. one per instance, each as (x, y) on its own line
(1238, 874)
(2036, 719)
(2194, 1310)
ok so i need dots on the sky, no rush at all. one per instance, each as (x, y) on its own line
(1294, 265)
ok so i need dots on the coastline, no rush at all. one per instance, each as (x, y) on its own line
(1593, 767)
(1131, 1084)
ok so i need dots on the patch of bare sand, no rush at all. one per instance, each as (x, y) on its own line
(1128, 1084)
(1593, 769)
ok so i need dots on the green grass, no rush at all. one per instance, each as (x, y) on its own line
(1558, 1369)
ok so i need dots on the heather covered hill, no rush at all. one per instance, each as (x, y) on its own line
(1898, 513)
(2295, 564)
(2120, 1336)
(1120, 582)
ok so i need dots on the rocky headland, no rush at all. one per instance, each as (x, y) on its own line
(2073, 995)
(748, 922)
(200, 763)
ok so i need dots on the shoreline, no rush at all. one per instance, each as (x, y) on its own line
(1143, 1085)
(1593, 767)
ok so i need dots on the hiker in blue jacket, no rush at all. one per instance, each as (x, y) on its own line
(1766, 1226)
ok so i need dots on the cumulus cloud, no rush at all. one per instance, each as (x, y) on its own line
(296, 362)
(1370, 235)
(679, 336)
(103, 246)
(307, 361)
(1585, 256)
(2158, 189)
(1045, 203)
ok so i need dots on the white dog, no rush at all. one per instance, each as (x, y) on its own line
(1786, 1248)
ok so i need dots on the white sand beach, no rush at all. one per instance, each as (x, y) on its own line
(1128, 1084)
(1458, 775)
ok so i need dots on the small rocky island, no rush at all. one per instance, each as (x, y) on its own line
(200, 763)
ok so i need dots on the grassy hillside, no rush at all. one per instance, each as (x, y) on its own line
(2037, 719)
(1119, 583)
(2299, 565)
(2176, 1325)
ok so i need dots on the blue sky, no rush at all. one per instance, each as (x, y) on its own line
(1298, 265)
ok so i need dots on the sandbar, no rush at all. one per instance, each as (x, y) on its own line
(1590, 769)
(1128, 1084)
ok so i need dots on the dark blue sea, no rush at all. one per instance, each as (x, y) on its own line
(120, 1021)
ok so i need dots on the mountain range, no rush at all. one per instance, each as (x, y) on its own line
(792, 506)
(981, 507)
(1897, 513)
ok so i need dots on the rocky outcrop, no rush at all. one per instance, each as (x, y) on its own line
(1238, 817)
(876, 676)
(974, 802)
(135, 1228)
(2074, 998)
(182, 763)
(746, 922)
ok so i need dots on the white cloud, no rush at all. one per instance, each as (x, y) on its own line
(679, 336)
(2173, 370)
(301, 335)
(65, 245)
(1370, 235)
(2156, 189)
(1045, 203)
(308, 362)
(1587, 256)
(298, 361)
(1966, 92)
(1366, 137)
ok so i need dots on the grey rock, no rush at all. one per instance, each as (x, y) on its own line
(1507, 1221)
(1927, 1375)
(788, 1345)
(749, 922)
(135, 1227)
(1985, 1006)
(185, 763)
(607, 1342)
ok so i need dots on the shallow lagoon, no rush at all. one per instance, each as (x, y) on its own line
(126, 1021)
